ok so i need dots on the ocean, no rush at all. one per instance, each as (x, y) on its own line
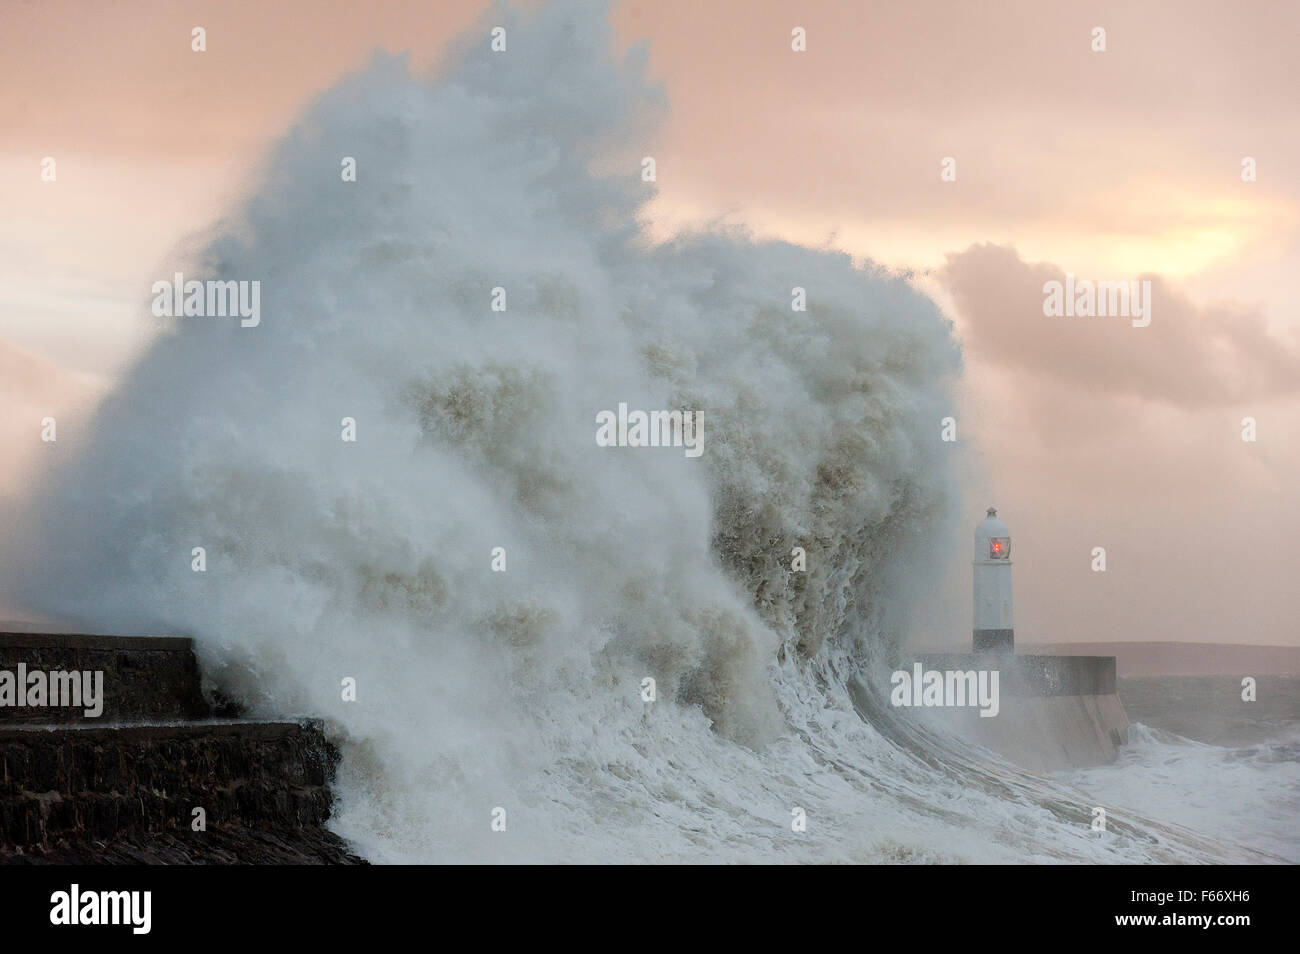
(1200, 757)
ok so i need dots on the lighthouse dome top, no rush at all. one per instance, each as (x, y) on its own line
(992, 540)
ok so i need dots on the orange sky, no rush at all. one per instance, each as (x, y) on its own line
(1109, 165)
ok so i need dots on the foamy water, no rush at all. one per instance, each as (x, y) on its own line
(371, 560)
(1246, 795)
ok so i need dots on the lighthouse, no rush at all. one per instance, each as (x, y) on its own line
(1052, 712)
(993, 626)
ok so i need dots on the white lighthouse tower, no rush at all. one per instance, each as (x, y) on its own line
(993, 626)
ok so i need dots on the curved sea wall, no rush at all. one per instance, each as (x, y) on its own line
(1053, 712)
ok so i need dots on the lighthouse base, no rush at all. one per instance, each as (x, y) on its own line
(994, 641)
(1055, 712)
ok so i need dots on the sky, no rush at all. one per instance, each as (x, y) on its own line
(1117, 165)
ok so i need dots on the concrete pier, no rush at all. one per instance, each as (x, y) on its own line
(1055, 712)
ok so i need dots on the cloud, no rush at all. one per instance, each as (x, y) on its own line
(1190, 356)
(1091, 432)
